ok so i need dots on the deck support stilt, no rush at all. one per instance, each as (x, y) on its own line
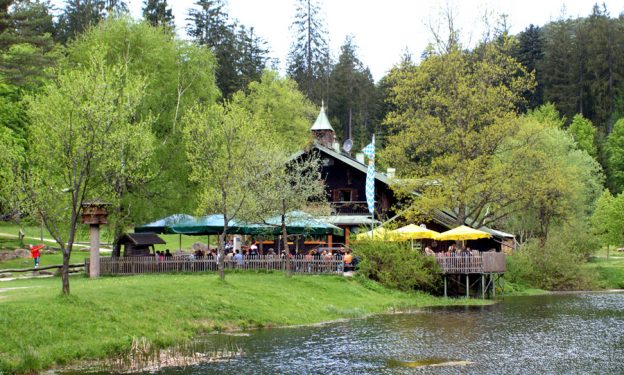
(467, 286)
(482, 286)
(445, 295)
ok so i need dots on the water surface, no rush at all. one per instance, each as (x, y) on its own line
(557, 334)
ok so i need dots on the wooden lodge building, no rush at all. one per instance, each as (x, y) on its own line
(345, 178)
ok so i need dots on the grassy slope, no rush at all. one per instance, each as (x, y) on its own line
(610, 272)
(173, 240)
(40, 328)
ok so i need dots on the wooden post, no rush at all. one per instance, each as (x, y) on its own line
(445, 286)
(493, 285)
(94, 234)
(467, 287)
(347, 233)
(330, 238)
(482, 286)
(94, 213)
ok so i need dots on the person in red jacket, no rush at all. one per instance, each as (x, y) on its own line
(35, 252)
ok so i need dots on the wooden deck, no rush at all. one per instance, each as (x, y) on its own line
(143, 265)
(484, 263)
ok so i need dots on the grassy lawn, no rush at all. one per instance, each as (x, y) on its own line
(173, 240)
(40, 328)
(610, 272)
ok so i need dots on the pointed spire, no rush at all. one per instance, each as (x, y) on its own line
(322, 122)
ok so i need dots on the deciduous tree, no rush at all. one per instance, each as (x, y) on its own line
(452, 114)
(79, 122)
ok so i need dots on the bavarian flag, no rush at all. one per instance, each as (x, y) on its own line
(369, 151)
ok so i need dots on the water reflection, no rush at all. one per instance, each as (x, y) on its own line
(572, 334)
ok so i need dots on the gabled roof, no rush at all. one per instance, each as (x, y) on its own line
(141, 239)
(322, 122)
(349, 161)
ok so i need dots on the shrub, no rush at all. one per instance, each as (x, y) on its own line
(396, 266)
(553, 266)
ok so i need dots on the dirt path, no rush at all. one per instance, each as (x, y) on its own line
(52, 241)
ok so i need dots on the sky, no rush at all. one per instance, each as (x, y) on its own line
(383, 30)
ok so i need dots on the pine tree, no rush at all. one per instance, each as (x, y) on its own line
(158, 14)
(562, 70)
(308, 58)
(79, 15)
(240, 55)
(530, 53)
(352, 97)
(26, 42)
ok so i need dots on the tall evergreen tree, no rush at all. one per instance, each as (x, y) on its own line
(78, 15)
(240, 54)
(530, 53)
(26, 42)
(562, 70)
(308, 57)
(158, 14)
(352, 97)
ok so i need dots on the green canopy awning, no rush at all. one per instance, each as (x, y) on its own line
(210, 224)
(299, 222)
(162, 225)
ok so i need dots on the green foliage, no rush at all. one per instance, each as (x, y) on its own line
(83, 133)
(26, 45)
(170, 309)
(80, 15)
(584, 134)
(396, 266)
(557, 182)
(277, 102)
(353, 97)
(12, 157)
(452, 114)
(558, 263)
(157, 14)
(177, 75)
(608, 218)
(615, 157)
(240, 54)
(308, 61)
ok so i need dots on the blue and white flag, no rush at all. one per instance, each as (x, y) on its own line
(369, 151)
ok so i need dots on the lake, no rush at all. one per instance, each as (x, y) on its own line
(559, 333)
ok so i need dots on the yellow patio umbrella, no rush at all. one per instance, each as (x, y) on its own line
(379, 233)
(462, 233)
(412, 232)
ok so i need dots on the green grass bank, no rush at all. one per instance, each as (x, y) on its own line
(39, 328)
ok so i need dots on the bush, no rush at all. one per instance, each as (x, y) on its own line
(557, 265)
(396, 266)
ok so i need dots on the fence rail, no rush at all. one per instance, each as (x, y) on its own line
(142, 265)
(465, 264)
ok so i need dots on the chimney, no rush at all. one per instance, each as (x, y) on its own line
(391, 172)
(359, 157)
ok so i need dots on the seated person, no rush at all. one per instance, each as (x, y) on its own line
(429, 251)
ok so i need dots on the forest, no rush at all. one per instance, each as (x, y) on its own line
(520, 132)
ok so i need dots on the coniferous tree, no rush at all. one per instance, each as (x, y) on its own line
(530, 53)
(561, 69)
(26, 42)
(79, 15)
(158, 14)
(308, 58)
(240, 55)
(352, 97)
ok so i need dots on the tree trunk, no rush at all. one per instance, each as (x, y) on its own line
(221, 254)
(65, 269)
(286, 249)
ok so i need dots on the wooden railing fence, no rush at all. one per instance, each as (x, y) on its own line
(465, 264)
(142, 265)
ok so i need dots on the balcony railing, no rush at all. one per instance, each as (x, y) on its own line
(469, 263)
(350, 208)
